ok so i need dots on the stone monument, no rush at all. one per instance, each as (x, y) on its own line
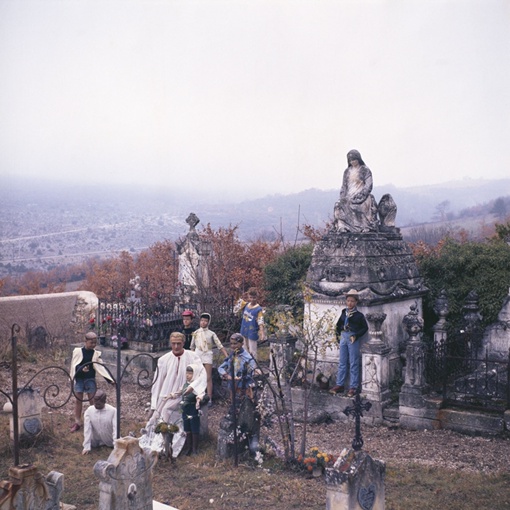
(375, 362)
(364, 251)
(193, 276)
(496, 337)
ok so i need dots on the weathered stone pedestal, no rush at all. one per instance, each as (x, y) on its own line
(375, 362)
(225, 448)
(416, 410)
(381, 267)
(126, 477)
(356, 482)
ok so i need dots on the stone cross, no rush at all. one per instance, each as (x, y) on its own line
(356, 410)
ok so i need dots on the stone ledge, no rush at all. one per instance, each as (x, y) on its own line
(472, 423)
(419, 418)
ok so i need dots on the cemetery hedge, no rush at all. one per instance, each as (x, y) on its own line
(461, 267)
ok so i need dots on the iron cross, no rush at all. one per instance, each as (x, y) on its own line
(356, 410)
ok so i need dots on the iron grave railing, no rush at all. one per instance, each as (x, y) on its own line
(466, 376)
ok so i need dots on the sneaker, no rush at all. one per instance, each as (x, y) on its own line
(75, 427)
(336, 389)
(352, 392)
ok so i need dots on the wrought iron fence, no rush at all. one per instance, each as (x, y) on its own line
(139, 325)
(466, 377)
(146, 325)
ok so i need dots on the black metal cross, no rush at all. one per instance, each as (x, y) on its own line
(356, 410)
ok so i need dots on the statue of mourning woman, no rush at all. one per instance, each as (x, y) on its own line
(356, 209)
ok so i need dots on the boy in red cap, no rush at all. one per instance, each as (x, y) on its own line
(187, 328)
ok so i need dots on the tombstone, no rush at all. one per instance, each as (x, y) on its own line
(27, 489)
(126, 477)
(37, 338)
(29, 414)
(193, 250)
(355, 481)
(247, 421)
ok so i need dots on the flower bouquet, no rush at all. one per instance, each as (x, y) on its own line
(316, 461)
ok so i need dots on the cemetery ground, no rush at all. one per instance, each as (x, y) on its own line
(424, 469)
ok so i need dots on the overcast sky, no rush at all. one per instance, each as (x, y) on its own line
(254, 97)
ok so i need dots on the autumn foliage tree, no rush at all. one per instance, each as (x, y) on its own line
(109, 278)
(232, 266)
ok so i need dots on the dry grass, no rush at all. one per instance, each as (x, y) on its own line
(203, 482)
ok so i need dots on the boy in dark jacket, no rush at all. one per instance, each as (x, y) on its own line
(351, 326)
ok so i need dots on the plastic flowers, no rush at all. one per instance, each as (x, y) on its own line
(316, 458)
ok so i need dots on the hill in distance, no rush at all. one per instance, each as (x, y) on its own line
(44, 224)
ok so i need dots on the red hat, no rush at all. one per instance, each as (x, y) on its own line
(188, 313)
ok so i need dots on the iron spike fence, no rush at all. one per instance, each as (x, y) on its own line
(465, 376)
(143, 326)
(50, 392)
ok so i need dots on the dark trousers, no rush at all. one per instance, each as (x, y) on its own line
(190, 419)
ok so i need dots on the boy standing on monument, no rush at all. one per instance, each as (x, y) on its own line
(351, 326)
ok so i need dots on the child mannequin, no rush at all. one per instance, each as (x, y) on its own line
(190, 406)
(203, 341)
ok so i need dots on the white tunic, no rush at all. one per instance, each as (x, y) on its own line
(170, 378)
(99, 427)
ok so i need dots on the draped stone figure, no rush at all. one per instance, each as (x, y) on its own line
(356, 208)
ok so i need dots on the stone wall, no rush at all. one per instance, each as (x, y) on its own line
(62, 316)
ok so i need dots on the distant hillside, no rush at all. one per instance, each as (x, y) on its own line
(46, 224)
